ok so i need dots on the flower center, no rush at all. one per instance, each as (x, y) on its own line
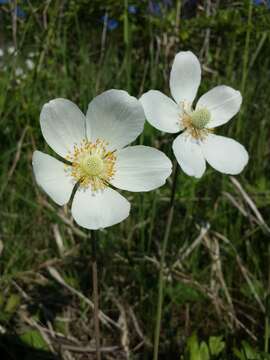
(200, 118)
(92, 164)
(195, 121)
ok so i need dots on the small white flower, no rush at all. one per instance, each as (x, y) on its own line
(1, 52)
(19, 72)
(11, 50)
(197, 143)
(94, 147)
(30, 64)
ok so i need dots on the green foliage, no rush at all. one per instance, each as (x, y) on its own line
(216, 345)
(197, 350)
(74, 59)
(247, 352)
(182, 293)
(34, 339)
(12, 303)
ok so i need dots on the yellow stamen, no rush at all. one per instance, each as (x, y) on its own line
(92, 165)
(195, 121)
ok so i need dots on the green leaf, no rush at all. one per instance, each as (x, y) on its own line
(34, 339)
(204, 352)
(238, 354)
(249, 352)
(12, 303)
(216, 345)
(193, 347)
(182, 293)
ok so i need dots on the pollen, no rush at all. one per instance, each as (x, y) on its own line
(195, 121)
(92, 164)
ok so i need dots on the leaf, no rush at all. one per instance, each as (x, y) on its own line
(12, 303)
(34, 339)
(204, 352)
(238, 354)
(193, 347)
(249, 352)
(216, 345)
(182, 293)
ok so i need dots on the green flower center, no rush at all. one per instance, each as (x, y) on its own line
(199, 118)
(92, 165)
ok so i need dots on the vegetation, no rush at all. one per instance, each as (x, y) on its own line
(217, 274)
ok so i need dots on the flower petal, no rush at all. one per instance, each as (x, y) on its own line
(223, 102)
(189, 155)
(141, 168)
(62, 125)
(161, 111)
(52, 176)
(224, 154)
(96, 210)
(185, 77)
(116, 117)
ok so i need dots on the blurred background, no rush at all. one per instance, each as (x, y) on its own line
(217, 291)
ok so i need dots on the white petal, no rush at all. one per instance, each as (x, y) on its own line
(99, 209)
(161, 111)
(223, 102)
(141, 168)
(189, 155)
(115, 117)
(224, 154)
(62, 125)
(185, 77)
(52, 176)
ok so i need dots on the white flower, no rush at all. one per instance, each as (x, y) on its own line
(94, 147)
(1, 52)
(30, 64)
(19, 72)
(197, 143)
(11, 50)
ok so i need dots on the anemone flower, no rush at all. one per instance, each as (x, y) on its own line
(197, 143)
(97, 159)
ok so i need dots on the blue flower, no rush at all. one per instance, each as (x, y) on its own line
(112, 24)
(154, 8)
(132, 9)
(262, 2)
(20, 13)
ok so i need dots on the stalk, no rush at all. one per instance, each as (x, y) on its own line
(162, 262)
(94, 236)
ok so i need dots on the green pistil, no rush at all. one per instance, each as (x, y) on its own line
(92, 165)
(200, 118)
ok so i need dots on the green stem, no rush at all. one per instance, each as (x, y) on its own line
(267, 307)
(95, 292)
(162, 263)
(127, 45)
(245, 62)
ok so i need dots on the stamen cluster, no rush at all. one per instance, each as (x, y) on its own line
(195, 121)
(92, 165)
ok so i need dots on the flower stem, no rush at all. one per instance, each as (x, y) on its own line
(267, 307)
(162, 263)
(94, 236)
